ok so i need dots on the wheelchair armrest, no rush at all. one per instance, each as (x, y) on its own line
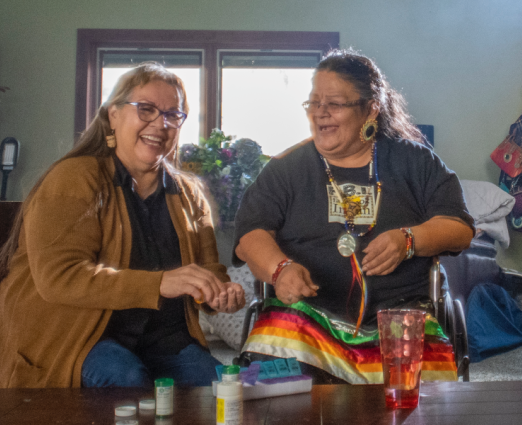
(260, 294)
(252, 310)
(435, 284)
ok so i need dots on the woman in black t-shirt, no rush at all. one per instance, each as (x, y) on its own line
(359, 209)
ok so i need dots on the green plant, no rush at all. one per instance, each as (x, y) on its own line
(226, 168)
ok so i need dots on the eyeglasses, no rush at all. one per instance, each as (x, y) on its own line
(149, 113)
(312, 106)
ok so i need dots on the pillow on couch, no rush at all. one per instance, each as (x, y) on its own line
(486, 201)
(227, 326)
(489, 205)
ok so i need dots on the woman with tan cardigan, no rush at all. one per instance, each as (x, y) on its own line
(113, 255)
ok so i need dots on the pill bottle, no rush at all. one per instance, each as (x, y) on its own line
(164, 390)
(230, 373)
(229, 403)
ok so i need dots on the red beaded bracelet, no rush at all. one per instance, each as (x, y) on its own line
(410, 242)
(280, 267)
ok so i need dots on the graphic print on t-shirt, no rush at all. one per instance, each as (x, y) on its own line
(367, 195)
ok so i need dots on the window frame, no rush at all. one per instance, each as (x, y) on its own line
(90, 40)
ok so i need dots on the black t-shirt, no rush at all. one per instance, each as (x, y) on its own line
(290, 197)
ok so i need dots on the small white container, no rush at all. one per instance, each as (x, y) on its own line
(147, 404)
(125, 411)
(229, 403)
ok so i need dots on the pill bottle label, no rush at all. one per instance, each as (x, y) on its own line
(164, 401)
(229, 412)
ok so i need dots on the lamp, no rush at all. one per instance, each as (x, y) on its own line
(9, 149)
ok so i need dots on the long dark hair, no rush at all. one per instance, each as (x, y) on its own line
(393, 120)
(93, 143)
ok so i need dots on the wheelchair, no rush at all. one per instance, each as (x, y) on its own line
(448, 312)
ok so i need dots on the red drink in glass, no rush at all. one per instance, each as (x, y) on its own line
(401, 334)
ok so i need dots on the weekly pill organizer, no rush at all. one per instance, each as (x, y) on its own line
(270, 379)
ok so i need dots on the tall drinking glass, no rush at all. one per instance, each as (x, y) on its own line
(401, 335)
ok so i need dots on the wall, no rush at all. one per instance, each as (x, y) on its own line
(457, 63)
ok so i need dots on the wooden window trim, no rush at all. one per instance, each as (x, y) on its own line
(90, 40)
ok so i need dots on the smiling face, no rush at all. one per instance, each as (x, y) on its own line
(336, 135)
(141, 145)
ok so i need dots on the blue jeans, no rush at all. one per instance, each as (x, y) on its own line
(109, 364)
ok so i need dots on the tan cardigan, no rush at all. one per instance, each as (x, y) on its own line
(70, 272)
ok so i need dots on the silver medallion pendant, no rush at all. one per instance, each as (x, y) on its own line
(346, 244)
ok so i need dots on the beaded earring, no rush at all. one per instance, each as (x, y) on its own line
(111, 139)
(368, 131)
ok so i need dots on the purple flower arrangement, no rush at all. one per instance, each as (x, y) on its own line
(226, 168)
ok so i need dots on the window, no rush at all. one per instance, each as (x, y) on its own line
(186, 65)
(248, 83)
(261, 96)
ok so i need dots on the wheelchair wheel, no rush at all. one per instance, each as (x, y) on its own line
(461, 341)
(452, 320)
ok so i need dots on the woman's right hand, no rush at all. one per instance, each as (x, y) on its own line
(294, 283)
(192, 280)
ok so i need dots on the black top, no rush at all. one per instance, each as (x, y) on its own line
(155, 246)
(290, 196)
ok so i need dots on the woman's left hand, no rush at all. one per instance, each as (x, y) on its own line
(229, 301)
(384, 253)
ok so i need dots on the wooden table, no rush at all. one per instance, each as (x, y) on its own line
(477, 403)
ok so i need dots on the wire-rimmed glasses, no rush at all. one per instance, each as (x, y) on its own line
(149, 113)
(311, 106)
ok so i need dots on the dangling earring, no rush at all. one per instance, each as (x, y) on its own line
(111, 139)
(368, 131)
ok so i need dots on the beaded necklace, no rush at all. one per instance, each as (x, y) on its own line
(346, 243)
(352, 206)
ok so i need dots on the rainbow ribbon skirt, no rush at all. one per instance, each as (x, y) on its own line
(301, 331)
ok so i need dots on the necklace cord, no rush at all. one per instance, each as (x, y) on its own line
(349, 225)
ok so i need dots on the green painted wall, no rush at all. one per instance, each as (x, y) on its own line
(457, 62)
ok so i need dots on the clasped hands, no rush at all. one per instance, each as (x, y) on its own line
(203, 286)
